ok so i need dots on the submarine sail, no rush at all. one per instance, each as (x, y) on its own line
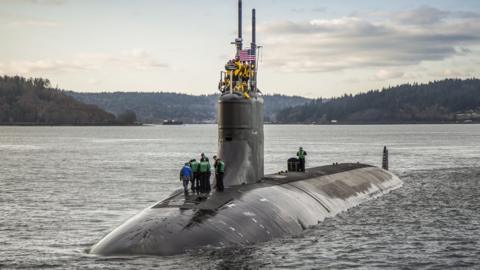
(240, 114)
(253, 207)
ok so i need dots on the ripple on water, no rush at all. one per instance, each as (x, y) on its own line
(60, 193)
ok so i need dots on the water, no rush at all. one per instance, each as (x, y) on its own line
(63, 188)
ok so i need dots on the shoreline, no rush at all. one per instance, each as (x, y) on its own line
(272, 124)
(71, 125)
(373, 123)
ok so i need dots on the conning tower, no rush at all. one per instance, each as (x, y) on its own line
(240, 114)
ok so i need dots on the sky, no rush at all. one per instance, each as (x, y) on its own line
(310, 48)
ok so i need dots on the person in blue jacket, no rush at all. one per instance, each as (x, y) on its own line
(185, 176)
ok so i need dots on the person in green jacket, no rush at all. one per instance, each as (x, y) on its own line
(195, 181)
(301, 157)
(204, 170)
(219, 166)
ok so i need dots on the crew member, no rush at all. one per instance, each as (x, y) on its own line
(219, 170)
(209, 173)
(195, 181)
(246, 71)
(301, 157)
(185, 176)
(252, 70)
(204, 170)
(226, 84)
(237, 73)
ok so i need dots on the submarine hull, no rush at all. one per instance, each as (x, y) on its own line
(278, 205)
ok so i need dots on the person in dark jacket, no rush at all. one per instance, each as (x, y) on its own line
(301, 158)
(185, 176)
(219, 171)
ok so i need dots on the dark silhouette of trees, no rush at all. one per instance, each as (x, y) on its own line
(156, 107)
(33, 101)
(128, 117)
(437, 101)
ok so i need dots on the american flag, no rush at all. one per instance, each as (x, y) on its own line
(246, 56)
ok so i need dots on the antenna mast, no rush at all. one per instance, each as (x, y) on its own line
(238, 40)
(253, 51)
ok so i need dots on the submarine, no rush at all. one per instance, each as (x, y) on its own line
(253, 207)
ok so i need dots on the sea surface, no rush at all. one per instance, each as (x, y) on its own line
(63, 188)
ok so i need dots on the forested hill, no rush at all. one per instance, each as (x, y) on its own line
(154, 107)
(450, 100)
(33, 102)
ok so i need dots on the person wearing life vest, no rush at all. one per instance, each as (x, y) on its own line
(238, 87)
(219, 171)
(246, 72)
(204, 171)
(301, 157)
(237, 73)
(226, 84)
(185, 176)
(195, 181)
(252, 70)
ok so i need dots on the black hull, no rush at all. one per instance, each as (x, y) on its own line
(276, 206)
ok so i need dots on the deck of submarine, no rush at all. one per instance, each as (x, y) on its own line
(214, 200)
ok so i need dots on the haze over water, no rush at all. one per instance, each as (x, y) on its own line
(63, 188)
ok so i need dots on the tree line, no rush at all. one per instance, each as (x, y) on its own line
(154, 107)
(33, 101)
(433, 102)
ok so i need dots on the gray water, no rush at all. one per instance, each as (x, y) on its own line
(63, 188)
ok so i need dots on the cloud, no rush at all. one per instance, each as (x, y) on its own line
(429, 15)
(352, 80)
(34, 23)
(315, 9)
(453, 73)
(27, 67)
(357, 42)
(386, 74)
(14, 19)
(46, 2)
(94, 81)
(421, 16)
(133, 58)
(349, 25)
(37, 2)
(466, 14)
(319, 9)
(298, 10)
(129, 59)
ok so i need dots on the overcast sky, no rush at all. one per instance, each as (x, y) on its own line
(311, 48)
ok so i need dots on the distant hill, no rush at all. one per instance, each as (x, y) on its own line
(450, 100)
(33, 102)
(154, 107)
